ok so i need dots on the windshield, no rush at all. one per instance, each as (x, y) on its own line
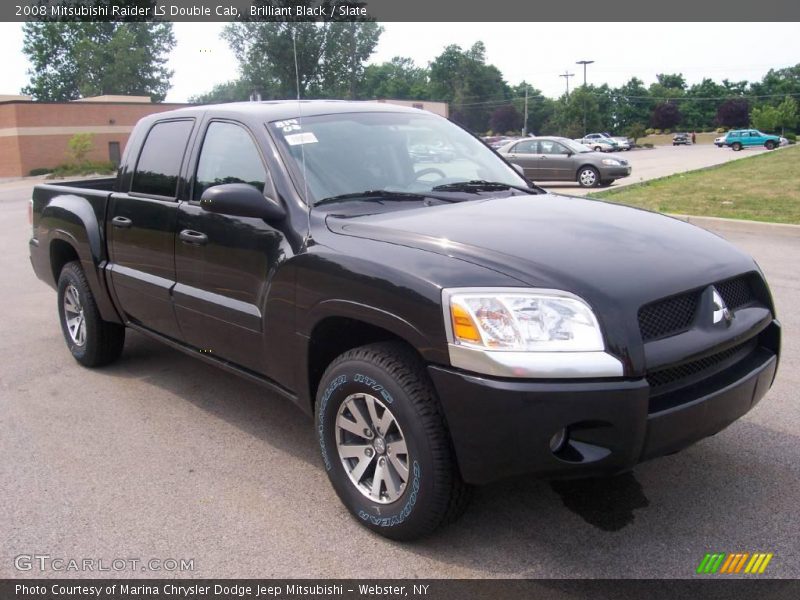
(399, 152)
(574, 146)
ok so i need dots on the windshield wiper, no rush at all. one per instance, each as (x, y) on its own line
(381, 195)
(481, 185)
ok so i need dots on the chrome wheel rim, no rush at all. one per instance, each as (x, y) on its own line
(372, 448)
(74, 316)
(588, 177)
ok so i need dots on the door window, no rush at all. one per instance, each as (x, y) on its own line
(526, 147)
(159, 164)
(551, 147)
(229, 155)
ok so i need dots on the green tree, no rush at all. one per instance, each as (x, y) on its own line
(70, 60)
(472, 87)
(231, 91)
(765, 117)
(787, 114)
(569, 116)
(632, 103)
(330, 56)
(699, 110)
(79, 146)
(399, 78)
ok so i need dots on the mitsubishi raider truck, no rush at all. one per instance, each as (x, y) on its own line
(447, 323)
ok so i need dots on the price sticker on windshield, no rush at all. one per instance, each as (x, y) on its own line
(296, 139)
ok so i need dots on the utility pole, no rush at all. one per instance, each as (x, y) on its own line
(525, 120)
(566, 75)
(584, 63)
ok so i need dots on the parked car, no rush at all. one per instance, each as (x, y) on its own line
(682, 139)
(720, 141)
(623, 142)
(740, 138)
(436, 152)
(599, 143)
(562, 159)
(445, 325)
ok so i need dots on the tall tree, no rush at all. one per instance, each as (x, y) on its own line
(399, 78)
(236, 90)
(734, 113)
(666, 115)
(330, 56)
(70, 60)
(632, 103)
(472, 87)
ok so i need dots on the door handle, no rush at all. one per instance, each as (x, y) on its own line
(187, 236)
(121, 222)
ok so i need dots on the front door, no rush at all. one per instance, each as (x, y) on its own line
(555, 161)
(141, 230)
(223, 263)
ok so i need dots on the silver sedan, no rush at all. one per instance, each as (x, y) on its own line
(562, 159)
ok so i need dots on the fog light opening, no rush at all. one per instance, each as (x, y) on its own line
(559, 440)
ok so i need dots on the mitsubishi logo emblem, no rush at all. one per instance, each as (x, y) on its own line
(721, 310)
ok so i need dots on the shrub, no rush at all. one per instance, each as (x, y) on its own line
(792, 137)
(40, 171)
(721, 129)
(79, 146)
(667, 131)
(649, 131)
(86, 168)
(657, 132)
(648, 145)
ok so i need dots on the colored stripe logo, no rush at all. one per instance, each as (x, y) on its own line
(739, 562)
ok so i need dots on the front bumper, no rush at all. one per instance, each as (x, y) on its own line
(615, 172)
(503, 427)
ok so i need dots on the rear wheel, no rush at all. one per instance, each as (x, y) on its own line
(384, 442)
(588, 177)
(92, 341)
(770, 145)
(736, 146)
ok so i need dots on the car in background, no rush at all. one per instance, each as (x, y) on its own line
(720, 141)
(681, 139)
(598, 143)
(436, 152)
(739, 138)
(624, 143)
(497, 141)
(547, 158)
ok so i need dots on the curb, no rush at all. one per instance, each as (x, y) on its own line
(741, 225)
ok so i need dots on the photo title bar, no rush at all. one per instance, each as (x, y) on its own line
(402, 10)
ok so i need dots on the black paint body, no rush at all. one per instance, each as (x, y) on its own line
(267, 298)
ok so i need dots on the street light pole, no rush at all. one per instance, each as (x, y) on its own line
(525, 121)
(584, 63)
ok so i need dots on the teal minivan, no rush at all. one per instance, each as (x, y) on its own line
(740, 138)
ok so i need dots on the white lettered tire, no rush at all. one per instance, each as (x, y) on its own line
(384, 442)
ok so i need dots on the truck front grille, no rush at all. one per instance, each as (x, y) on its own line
(671, 316)
(662, 378)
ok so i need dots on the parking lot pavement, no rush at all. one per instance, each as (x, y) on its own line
(660, 162)
(160, 456)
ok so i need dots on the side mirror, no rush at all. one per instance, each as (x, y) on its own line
(241, 200)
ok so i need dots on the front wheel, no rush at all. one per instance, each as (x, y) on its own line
(770, 145)
(384, 442)
(588, 177)
(92, 341)
(736, 146)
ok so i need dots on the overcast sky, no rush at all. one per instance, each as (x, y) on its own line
(536, 52)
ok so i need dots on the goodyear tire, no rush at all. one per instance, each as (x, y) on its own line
(92, 341)
(384, 442)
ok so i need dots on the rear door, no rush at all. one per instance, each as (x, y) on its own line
(141, 229)
(223, 263)
(524, 154)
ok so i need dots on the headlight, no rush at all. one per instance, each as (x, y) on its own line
(521, 320)
(611, 162)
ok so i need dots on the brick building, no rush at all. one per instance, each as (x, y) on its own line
(35, 134)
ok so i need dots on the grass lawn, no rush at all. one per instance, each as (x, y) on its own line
(760, 188)
(665, 139)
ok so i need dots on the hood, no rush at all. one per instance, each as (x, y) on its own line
(603, 252)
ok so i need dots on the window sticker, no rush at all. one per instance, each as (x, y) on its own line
(296, 139)
(288, 125)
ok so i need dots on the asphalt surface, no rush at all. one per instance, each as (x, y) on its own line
(160, 456)
(660, 162)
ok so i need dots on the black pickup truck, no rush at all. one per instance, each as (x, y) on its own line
(447, 323)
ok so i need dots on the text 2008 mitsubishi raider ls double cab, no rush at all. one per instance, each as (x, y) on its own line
(447, 323)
